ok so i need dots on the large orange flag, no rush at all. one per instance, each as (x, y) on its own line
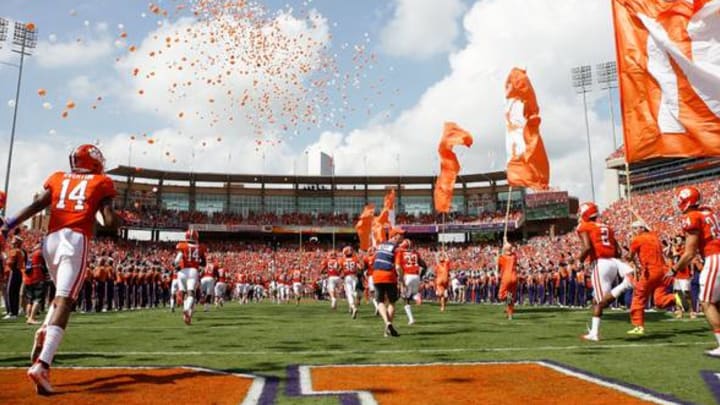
(527, 164)
(669, 72)
(389, 205)
(380, 224)
(364, 226)
(449, 165)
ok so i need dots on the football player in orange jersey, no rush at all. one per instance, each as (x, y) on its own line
(507, 265)
(207, 283)
(297, 282)
(350, 265)
(599, 245)
(646, 248)
(190, 257)
(221, 285)
(410, 263)
(702, 235)
(331, 268)
(442, 278)
(73, 199)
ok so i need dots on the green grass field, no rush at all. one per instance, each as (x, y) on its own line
(265, 338)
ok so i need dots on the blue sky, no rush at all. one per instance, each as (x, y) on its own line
(436, 61)
(351, 22)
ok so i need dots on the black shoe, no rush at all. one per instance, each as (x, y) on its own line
(392, 331)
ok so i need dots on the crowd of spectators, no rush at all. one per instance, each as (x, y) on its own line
(154, 218)
(127, 275)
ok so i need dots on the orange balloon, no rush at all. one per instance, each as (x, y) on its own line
(151, 141)
(64, 114)
(70, 105)
(42, 92)
(30, 26)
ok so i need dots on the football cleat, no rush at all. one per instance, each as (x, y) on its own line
(40, 375)
(37, 344)
(713, 353)
(636, 331)
(390, 329)
(354, 313)
(590, 337)
(679, 303)
(187, 318)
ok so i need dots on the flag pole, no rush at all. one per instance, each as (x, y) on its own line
(507, 214)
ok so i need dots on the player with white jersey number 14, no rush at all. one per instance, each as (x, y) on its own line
(190, 257)
(73, 198)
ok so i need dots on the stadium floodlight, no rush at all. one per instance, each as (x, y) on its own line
(24, 40)
(582, 82)
(607, 79)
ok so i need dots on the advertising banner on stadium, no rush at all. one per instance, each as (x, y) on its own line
(230, 228)
(669, 74)
(291, 229)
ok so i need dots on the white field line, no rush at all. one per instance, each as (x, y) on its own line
(367, 352)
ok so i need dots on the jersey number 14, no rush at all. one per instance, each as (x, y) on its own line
(76, 195)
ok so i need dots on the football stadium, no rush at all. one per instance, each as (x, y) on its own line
(252, 202)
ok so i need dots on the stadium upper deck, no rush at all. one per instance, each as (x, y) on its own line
(238, 202)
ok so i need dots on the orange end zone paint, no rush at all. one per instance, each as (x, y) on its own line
(128, 386)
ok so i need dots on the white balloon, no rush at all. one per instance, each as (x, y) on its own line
(121, 27)
(47, 106)
(87, 23)
(52, 132)
(11, 103)
(52, 38)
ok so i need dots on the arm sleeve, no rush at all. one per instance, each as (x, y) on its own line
(178, 258)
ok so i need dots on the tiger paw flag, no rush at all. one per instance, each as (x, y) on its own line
(449, 165)
(527, 161)
(669, 74)
(364, 226)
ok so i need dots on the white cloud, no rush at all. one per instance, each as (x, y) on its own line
(545, 36)
(422, 28)
(52, 55)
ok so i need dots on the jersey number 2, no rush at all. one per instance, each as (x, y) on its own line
(77, 195)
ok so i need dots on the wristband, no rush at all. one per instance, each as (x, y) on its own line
(10, 223)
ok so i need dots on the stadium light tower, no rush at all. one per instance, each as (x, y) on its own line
(582, 82)
(23, 42)
(607, 79)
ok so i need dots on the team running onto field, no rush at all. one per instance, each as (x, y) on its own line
(75, 197)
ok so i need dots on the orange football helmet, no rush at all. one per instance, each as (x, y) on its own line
(588, 211)
(687, 197)
(347, 251)
(87, 159)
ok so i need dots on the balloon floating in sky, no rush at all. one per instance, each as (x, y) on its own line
(11, 103)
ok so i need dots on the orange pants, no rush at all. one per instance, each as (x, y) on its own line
(511, 288)
(651, 283)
